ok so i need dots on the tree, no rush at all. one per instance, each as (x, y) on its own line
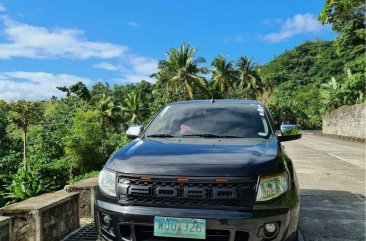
(79, 90)
(23, 114)
(133, 109)
(351, 91)
(108, 109)
(181, 71)
(4, 138)
(348, 19)
(339, 12)
(99, 89)
(248, 76)
(85, 141)
(224, 75)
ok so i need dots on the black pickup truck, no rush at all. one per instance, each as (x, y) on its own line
(202, 170)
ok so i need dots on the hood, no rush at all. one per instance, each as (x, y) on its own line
(193, 157)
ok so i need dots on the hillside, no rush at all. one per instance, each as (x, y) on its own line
(295, 79)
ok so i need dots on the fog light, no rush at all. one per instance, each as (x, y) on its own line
(106, 219)
(270, 228)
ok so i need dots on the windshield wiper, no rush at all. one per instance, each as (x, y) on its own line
(161, 135)
(208, 135)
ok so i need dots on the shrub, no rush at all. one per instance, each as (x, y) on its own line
(84, 176)
(85, 142)
(23, 185)
(56, 173)
(10, 163)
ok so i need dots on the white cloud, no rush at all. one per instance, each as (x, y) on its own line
(298, 24)
(106, 66)
(133, 24)
(132, 68)
(235, 39)
(34, 85)
(2, 8)
(39, 43)
(27, 41)
(142, 65)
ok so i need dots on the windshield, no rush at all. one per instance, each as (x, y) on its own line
(230, 120)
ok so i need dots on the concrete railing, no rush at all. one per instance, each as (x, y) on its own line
(86, 190)
(5, 228)
(48, 217)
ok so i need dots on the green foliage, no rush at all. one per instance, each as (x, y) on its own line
(248, 78)
(133, 108)
(23, 185)
(5, 141)
(286, 114)
(339, 12)
(223, 76)
(85, 142)
(23, 114)
(299, 78)
(351, 91)
(310, 62)
(180, 72)
(10, 163)
(347, 18)
(84, 176)
(44, 144)
(78, 90)
(110, 111)
(56, 173)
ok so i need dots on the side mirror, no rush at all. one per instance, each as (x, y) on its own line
(289, 132)
(134, 131)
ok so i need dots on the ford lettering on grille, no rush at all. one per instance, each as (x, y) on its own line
(187, 192)
(175, 194)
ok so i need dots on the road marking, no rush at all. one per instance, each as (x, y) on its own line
(337, 157)
(308, 146)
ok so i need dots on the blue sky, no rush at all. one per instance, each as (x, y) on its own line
(44, 44)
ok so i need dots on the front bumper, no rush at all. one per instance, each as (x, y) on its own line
(135, 223)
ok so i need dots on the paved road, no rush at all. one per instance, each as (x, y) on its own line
(332, 180)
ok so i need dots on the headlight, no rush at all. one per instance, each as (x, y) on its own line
(107, 182)
(272, 187)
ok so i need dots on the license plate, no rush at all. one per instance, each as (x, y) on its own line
(180, 227)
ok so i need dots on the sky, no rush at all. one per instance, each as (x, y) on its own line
(44, 44)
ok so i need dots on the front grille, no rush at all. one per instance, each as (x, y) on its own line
(143, 233)
(235, 194)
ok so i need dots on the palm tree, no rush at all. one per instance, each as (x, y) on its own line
(248, 76)
(108, 109)
(133, 108)
(180, 70)
(211, 90)
(223, 76)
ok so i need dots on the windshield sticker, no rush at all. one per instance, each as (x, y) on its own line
(260, 110)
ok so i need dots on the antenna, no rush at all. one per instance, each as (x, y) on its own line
(212, 100)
